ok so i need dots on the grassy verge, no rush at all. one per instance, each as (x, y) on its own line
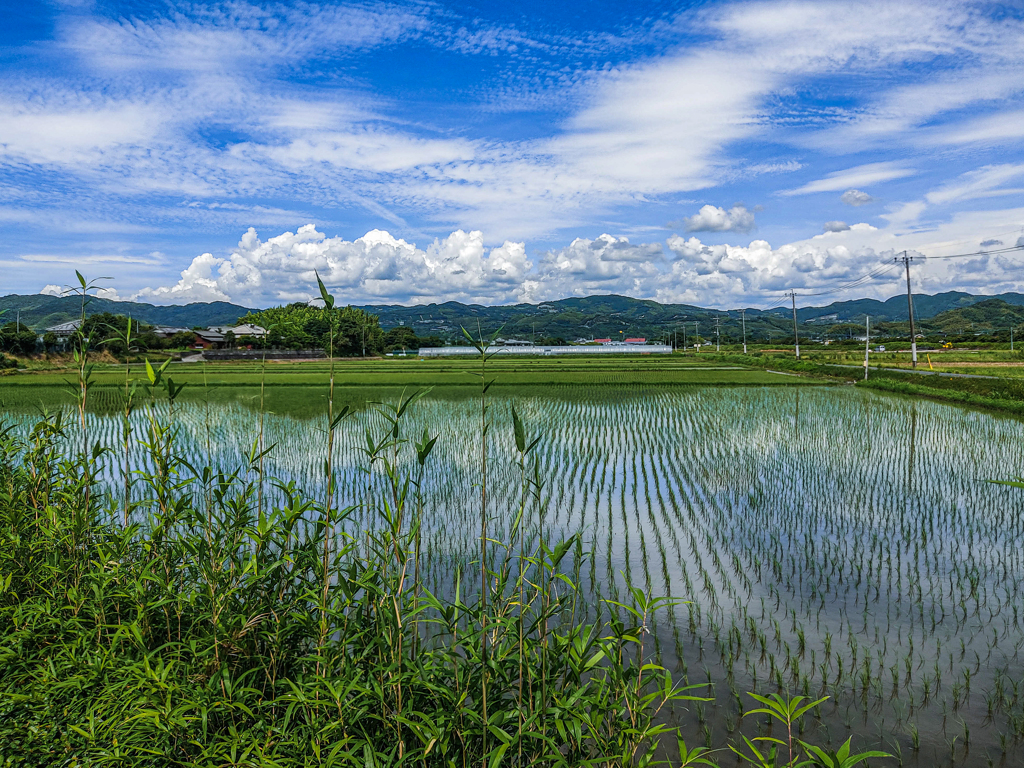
(1004, 394)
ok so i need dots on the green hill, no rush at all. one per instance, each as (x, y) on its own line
(40, 311)
(895, 309)
(609, 316)
(988, 316)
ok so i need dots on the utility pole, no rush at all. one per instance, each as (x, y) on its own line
(743, 320)
(1011, 338)
(867, 345)
(684, 337)
(910, 308)
(796, 333)
(718, 333)
(696, 337)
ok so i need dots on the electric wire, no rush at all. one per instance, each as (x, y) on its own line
(991, 252)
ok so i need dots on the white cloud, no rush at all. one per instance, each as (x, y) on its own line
(836, 226)
(855, 197)
(237, 36)
(990, 129)
(606, 264)
(219, 104)
(380, 268)
(712, 218)
(983, 182)
(862, 175)
(374, 267)
(930, 113)
(70, 130)
(905, 214)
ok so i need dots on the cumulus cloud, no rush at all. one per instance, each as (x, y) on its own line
(711, 218)
(374, 267)
(381, 268)
(836, 226)
(990, 243)
(378, 267)
(606, 264)
(51, 290)
(855, 197)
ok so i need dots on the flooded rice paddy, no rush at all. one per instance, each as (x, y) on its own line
(829, 541)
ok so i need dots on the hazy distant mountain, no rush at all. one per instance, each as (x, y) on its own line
(588, 317)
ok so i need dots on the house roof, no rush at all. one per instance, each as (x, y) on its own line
(170, 330)
(70, 327)
(240, 330)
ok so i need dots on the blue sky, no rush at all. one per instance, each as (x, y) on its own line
(710, 153)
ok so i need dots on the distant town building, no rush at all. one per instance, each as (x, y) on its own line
(208, 340)
(166, 331)
(64, 331)
(216, 337)
(240, 331)
(513, 342)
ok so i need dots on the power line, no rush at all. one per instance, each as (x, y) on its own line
(874, 274)
(976, 253)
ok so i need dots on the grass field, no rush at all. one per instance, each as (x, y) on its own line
(1008, 363)
(296, 387)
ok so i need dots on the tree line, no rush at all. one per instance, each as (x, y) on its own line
(356, 332)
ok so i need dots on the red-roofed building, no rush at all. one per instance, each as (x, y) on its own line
(636, 341)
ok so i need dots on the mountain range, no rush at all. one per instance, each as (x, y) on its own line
(606, 316)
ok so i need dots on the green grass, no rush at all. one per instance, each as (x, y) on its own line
(1003, 393)
(302, 387)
